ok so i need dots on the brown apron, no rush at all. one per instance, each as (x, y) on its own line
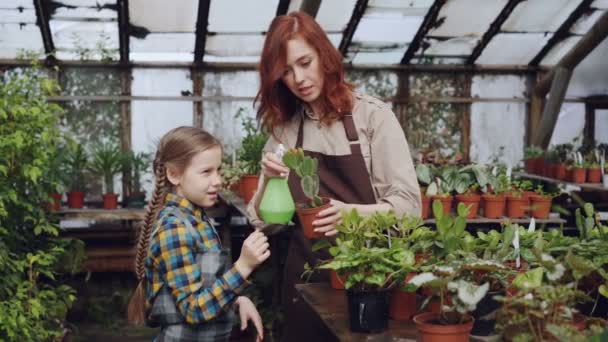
(344, 178)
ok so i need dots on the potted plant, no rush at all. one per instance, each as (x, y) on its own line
(459, 292)
(373, 263)
(532, 157)
(494, 199)
(594, 170)
(306, 169)
(562, 151)
(540, 204)
(578, 173)
(75, 162)
(107, 162)
(135, 165)
(469, 180)
(442, 186)
(424, 175)
(232, 171)
(250, 154)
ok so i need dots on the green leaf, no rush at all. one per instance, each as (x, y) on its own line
(438, 209)
(530, 279)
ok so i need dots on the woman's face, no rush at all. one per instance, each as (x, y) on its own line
(303, 75)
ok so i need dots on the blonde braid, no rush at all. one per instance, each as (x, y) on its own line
(136, 307)
(158, 200)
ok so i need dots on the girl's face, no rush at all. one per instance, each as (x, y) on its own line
(201, 180)
(303, 75)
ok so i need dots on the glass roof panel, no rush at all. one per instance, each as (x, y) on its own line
(521, 48)
(335, 39)
(460, 46)
(241, 47)
(387, 27)
(385, 57)
(17, 16)
(12, 4)
(559, 50)
(400, 4)
(539, 15)
(89, 40)
(456, 17)
(236, 15)
(600, 4)
(584, 23)
(15, 38)
(333, 16)
(90, 13)
(164, 16)
(163, 47)
(86, 3)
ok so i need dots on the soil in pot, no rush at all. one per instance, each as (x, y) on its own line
(306, 216)
(368, 310)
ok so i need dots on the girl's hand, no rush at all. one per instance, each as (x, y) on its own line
(328, 219)
(272, 166)
(248, 312)
(254, 252)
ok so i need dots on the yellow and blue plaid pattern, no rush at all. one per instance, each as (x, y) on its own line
(172, 262)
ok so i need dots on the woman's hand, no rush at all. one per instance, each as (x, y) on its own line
(272, 166)
(328, 219)
(248, 312)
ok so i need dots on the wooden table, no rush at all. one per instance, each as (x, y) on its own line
(331, 306)
(129, 214)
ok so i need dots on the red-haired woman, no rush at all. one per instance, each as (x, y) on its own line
(364, 160)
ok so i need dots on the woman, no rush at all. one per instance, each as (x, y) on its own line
(364, 160)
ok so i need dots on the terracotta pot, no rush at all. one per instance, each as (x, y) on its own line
(307, 215)
(578, 175)
(426, 207)
(75, 199)
(55, 204)
(431, 332)
(446, 202)
(531, 165)
(541, 166)
(471, 201)
(110, 201)
(235, 187)
(247, 186)
(493, 206)
(517, 206)
(540, 206)
(337, 282)
(560, 171)
(594, 175)
(403, 305)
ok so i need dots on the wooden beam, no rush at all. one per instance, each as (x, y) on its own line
(351, 27)
(311, 7)
(563, 31)
(554, 103)
(596, 34)
(123, 30)
(125, 127)
(197, 86)
(465, 121)
(223, 66)
(589, 129)
(403, 92)
(427, 23)
(42, 20)
(283, 7)
(535, 114)
(493, 30)
(202, 22)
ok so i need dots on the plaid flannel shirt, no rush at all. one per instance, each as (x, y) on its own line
(171, 262)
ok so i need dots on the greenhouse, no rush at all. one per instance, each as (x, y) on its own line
(303, 170)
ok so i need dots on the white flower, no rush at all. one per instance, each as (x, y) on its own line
(547, 257)
(444, 269)
(470, 294)
(558, 272)
(422, 279)
(544, 304)
(453, 286)
(529, 296)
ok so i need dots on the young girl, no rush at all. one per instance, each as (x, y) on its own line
(190, 286)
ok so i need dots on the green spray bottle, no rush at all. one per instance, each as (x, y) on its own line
(277, 205)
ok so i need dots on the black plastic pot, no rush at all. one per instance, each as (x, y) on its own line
(484, 314)
(368, 310)
(593, 309)
(136, 200)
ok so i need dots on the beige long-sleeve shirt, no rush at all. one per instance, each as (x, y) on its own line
(383, 145)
